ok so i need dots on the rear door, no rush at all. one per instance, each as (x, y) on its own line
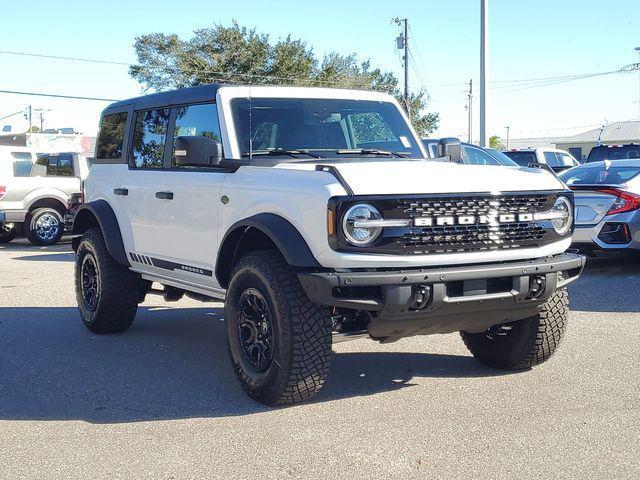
(135, 194)
(186, 217)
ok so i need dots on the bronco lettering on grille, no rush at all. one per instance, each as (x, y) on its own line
(489, 219)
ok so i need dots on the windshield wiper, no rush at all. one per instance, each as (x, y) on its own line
(281, 151)
(370, 151)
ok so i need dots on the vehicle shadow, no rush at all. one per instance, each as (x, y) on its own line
(60, 252)
(49, 257)
(608, 284)
(171, 364)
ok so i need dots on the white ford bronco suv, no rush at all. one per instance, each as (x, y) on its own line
(315, 216)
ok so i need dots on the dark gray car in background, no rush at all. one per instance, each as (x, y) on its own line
(607, 204)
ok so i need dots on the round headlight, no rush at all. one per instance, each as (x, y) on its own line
(360, 235)
(564, 215)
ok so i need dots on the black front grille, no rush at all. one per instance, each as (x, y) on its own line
(472, 223)
(438, 239)
(477, 205)
(471, 237)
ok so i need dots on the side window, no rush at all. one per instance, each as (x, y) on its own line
(551, 159)
(65, 166)
(111, 135)
(41, 166)
(21, 164)
(566, 160)
(149, 136)
(196, 120)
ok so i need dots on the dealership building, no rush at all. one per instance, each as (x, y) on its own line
(581, 144)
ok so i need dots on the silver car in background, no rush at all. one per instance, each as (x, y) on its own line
(607, 204)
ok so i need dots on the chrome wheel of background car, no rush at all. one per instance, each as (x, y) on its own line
(255, 330)
(90, 282)
(47, 227)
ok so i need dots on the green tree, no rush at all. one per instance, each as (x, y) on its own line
(239, 55)
(496, 142)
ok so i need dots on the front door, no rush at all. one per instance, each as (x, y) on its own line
(187, 203)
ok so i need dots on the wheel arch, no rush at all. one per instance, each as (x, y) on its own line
(50, 202)
(262, 231)
(100, 214)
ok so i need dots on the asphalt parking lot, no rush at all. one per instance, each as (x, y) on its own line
(161, 401)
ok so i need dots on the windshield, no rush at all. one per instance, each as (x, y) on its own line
(324, 126)
(599, 174)
(613, 152)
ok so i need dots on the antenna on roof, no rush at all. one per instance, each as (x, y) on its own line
(599, 139)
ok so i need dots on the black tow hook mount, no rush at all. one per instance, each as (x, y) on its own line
(420, 298)
(537, 286)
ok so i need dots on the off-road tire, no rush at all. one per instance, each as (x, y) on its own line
(301, 332)
(523, 344)
(30, 226)
(7, 235)
(118, 292)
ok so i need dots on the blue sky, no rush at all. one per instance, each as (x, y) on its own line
(528, 39)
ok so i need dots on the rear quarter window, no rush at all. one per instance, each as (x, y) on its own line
(111, 136)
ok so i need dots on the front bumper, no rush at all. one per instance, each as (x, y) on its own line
(470, 298)
(594, 237)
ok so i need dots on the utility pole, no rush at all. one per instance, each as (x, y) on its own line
(470, 108)
(484, 54)
(29, 117)
(508, 128)
(402, 43)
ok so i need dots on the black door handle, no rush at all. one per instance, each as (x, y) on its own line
(121, 191)
(164, 195)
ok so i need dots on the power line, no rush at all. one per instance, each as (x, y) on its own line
(56, 57)
(499, 86)
(73, 97)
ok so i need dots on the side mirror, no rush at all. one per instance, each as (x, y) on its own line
(197, 151)
(451, 148)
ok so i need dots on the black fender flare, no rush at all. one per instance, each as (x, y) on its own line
(106, 219)
(279, 230)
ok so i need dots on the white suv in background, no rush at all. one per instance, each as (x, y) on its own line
(314, 214)
(557, 160)
(34, 191)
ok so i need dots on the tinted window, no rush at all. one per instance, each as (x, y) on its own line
(21, 164)
(149, 136)
(476, 156)
(65, 166)
(623, 152)
(320, 125)
(522, 158)
(54, 166)
(599, 174)
(111, 136)
(196, 120)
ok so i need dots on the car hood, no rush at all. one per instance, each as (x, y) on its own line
(367, 177)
